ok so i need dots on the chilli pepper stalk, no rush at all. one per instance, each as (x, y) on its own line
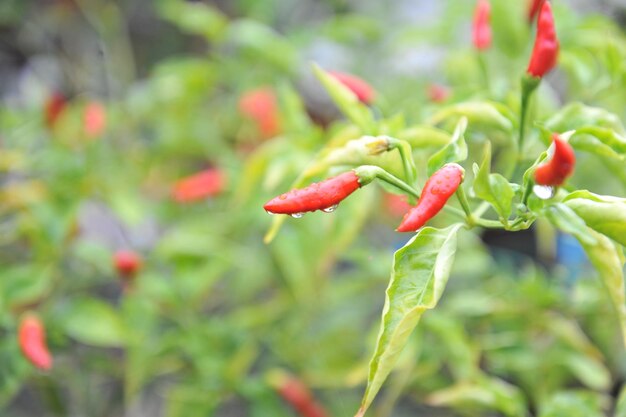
(32, 341)
(481, 28)
(561, 166)
(437, 190)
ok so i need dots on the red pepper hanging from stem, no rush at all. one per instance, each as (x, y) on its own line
(437, 190)
(555, 171)
(481, 29)
(546, 49)
(533, 9)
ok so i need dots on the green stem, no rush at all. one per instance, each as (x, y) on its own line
(483, 69)
(460, 194)
(406, 154)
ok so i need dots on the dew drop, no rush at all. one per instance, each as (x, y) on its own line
(297, 215)
(271, 213)
(330, 209)
(544, 192)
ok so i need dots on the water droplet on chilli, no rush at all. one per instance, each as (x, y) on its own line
(297, 215)
(271, 213)
(544, 192)
(330, 209)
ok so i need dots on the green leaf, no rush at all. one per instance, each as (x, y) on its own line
(25, 284)
(494, 188)
(573, 404)
(478, 113)
(424, 136)
(483, 393)
(607, 137)
(94, 322)
(454, 151)
(588, 370)
(419, 275)
(608, 260)
(577, 115)
(606, 215)
(347, 101)
(566, 219)
(197, 18)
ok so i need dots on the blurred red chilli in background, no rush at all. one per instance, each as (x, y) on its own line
(363, 91)
(438, 93)
(481, 29)
(396, 205)
(53, 108)
(94, 119)
(260, 106)
(127, 263)
(207, 183)
(32, 341)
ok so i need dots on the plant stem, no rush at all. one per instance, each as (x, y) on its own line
(460, 193)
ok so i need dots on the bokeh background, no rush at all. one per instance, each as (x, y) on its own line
(216, 318)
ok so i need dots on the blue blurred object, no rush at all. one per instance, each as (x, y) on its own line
(571, 255)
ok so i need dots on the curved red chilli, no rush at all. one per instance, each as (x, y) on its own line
(481, 29)
(546, 49)
(359, 87)
(559, 167)
(316, 196)
(437, 190)
(32, 341)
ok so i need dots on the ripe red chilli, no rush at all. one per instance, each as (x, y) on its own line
(54, 107)
(323, 195)
(546, 49)
(561, 166)
(207, 183)
(436, 192)
(32, 341)
(298, 395)
(127, 263)
(533, 9)
(360, 88)
(260, 106)
(481, 29)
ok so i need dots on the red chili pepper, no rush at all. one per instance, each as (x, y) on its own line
(438, 93)
(260, 106)
(533, 9)
(127, 263)
(555, 171)
(360, 88)
(55, 105)
(546, 49)
(481, 30)
(437, 190)
(32, 341)
(298, 395)
(323, 195)
(94, 119)
(207, 183)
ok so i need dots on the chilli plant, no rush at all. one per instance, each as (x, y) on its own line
(531, 181)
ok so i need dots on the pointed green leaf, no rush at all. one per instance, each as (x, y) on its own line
(480, 113)
(94, 322)
(608, 260)
(454, 151)
(419, 275)
(494, 188)
(573, 404)
(565, 219)
(604, 215)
